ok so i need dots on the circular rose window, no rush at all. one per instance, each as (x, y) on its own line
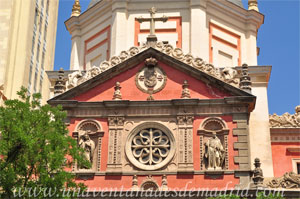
(150, 146)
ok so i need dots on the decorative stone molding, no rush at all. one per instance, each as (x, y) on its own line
(213, 131)
(286, 120)
(135, 109)
(228, 75)
(149, 184)
(115, 126)
(185, 143)
(289, 180)
(150, 146)
(89, 136)
(151, 78)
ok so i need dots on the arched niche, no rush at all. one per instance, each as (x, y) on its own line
(213, 130)
(89, 135)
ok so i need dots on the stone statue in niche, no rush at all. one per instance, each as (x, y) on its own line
(214, 153)
(88, 146)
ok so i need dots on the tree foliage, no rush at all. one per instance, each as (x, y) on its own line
(36, 152)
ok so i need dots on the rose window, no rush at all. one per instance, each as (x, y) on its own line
(150, 148)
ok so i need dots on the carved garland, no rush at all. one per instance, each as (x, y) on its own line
(228, 74)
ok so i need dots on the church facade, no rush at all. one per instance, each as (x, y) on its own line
(173, 98)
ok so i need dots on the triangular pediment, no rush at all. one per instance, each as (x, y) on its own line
(204, 80)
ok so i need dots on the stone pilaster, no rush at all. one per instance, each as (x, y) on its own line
(185, 143)
(116, 125)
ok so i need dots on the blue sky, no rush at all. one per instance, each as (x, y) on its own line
(278, 39)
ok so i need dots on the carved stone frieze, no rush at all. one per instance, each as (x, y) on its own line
(228, 75)
(289, 180)
(286, 120)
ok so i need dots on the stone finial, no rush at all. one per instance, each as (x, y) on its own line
(245, 80)
(76, 10)
(185, 90)
(258, 177)
(164, 183)
(117, 93)
(60, 84)
(134, 183)
(252, 5)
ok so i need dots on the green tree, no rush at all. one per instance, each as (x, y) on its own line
(36, 153)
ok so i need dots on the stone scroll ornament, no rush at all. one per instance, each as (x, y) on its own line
(289, 180)
(286, 120)
(228, 74)
(150, 79)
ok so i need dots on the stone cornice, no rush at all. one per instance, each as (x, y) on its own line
(228, 105)
(238, 13)
(100, 9)
(260, 75)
